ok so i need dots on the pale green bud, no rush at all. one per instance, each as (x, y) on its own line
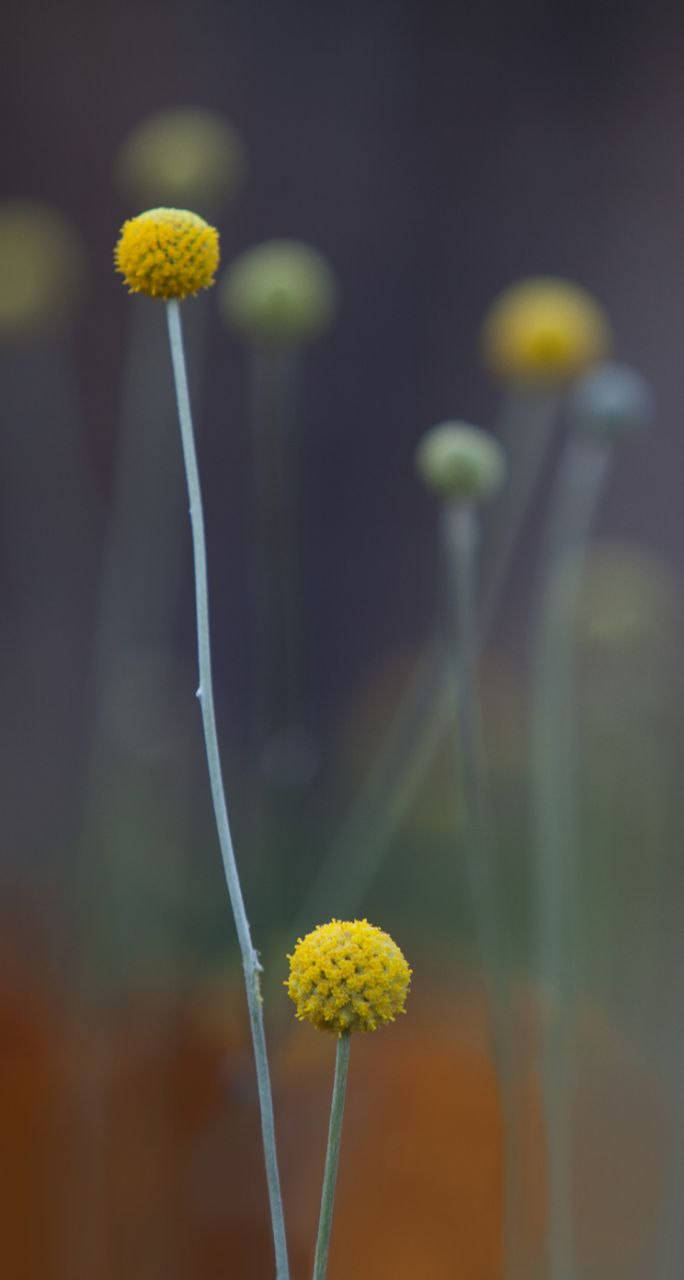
(279, 292)
(459, 461)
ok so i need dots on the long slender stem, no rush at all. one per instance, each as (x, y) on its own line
(554, 775)
(460, 537)
(460, 530)
(332, 1157)
(250, 960)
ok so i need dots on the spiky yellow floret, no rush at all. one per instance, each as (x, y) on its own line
(544, 330)
(348, 976)
(167, 253)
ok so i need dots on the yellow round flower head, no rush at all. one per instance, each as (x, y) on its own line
(167, 253)
(544, 330)
(348, 976)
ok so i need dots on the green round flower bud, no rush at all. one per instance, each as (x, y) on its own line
(281, 291)
(612, 398)
(458, 461)
(41, 269)
(183, 158)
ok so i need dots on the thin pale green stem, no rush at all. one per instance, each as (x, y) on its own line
(250, 960)
(426, 710)
(554, 776)
(460, 537)
(332, 1157)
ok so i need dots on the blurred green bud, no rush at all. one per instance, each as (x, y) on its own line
(458, 461)
(186, 158)
(280, 292)
(41, 269)
(612, 399)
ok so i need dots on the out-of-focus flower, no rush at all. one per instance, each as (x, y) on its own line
(281, 291)
(612, 399)
(458, 461)
(628, 597)
(544, 330)
(348, 976)
(41, 269)
(179, 157)
(167, 253)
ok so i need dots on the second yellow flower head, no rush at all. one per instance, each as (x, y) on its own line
(167, 253)
(544, 330)
(348, 976)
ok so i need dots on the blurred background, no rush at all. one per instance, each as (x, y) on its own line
(432, 154)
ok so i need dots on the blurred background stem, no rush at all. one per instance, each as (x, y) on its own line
(554, 778)
(459, 526)
(460, 537)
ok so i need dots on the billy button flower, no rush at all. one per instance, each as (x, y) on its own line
(170, 254)
(167, 253)
(348, 976)
(544, 330)
(344, 976)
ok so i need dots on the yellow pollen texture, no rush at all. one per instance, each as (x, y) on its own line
(348, 976)
(167, 253)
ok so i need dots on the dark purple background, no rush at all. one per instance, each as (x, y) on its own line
(435, 153)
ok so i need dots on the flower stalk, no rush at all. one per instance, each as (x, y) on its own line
(345, 976)
(554, 786)
(610, 402)
(332, 1157)
(250, 960)
(460, 526)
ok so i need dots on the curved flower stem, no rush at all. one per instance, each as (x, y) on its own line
(250, 960)
(554, 778)
(332, 1157)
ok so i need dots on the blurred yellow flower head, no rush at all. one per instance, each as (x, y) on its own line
(281, 291)
(182, 156)
(41, 269)
(348, 976)
(544, 331)
(167, 253)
